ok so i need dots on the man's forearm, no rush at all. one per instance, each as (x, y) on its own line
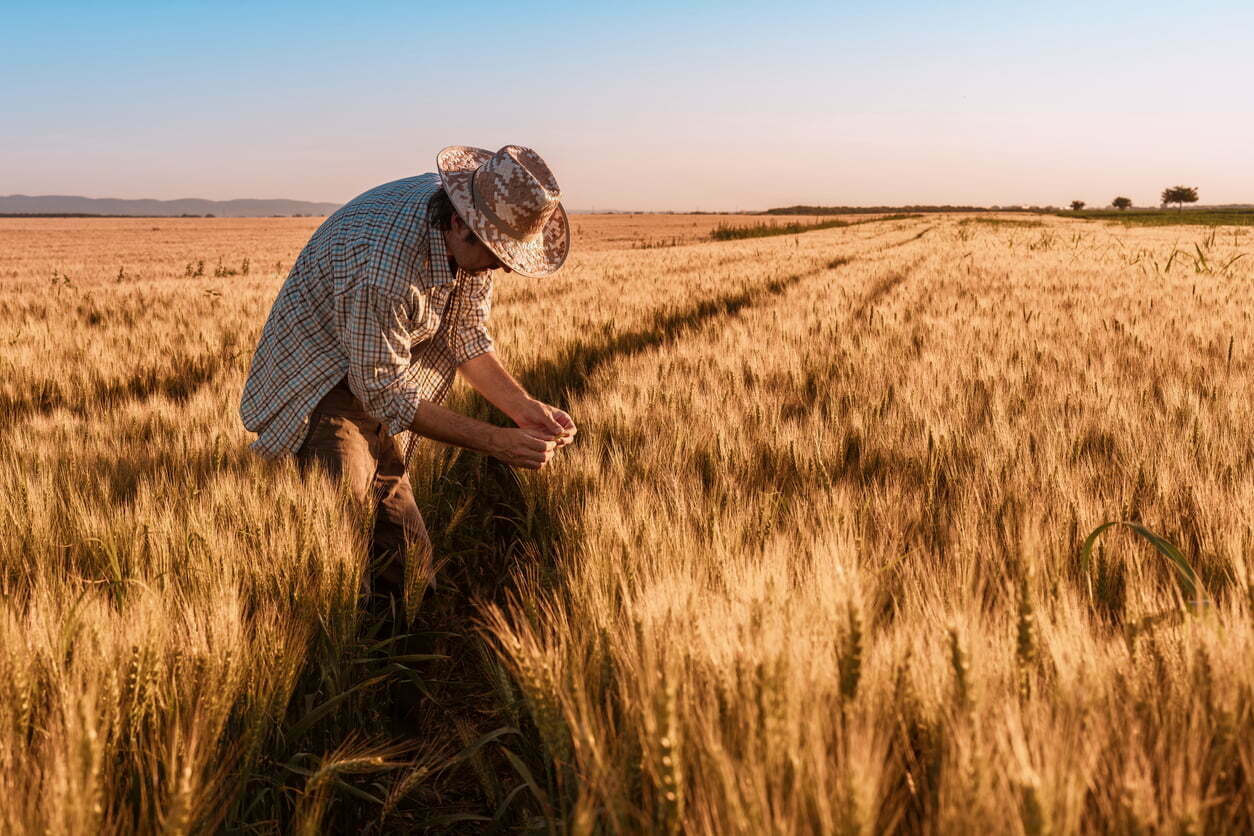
(515, 447)
(449, 427)
(537, 419)
(491, 380)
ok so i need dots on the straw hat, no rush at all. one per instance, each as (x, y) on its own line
(510, 200)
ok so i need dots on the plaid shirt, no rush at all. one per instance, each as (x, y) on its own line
(372, 298)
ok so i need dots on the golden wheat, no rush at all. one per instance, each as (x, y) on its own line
(812, 566)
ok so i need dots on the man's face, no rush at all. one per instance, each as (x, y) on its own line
(471, 254)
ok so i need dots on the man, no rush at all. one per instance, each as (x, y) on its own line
(387, 301)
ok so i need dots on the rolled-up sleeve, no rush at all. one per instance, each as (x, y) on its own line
(470, 338)
(377, 341)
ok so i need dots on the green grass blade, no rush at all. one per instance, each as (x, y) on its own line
(441, 822)
(464, 754)
(1162, 546)
(525, 774)
(311, 719)
(404, 657)
(507, 801)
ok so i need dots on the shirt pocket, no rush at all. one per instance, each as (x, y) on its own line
(425, 313)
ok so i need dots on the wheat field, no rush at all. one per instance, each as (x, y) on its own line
(818, 562)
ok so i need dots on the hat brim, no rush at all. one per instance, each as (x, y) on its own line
(540, 256)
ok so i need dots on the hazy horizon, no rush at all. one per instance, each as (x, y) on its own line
(718, 107)
(636, 210)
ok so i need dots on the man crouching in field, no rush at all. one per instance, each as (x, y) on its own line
(386, 302)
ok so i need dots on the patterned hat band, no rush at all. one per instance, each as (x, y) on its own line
(538, 220)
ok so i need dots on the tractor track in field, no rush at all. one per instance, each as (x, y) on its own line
(613, 276)
(568, 372)
(909, 240)
(882, 287)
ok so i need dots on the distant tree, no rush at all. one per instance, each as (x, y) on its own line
(1121, 203)
(1077, 205)
(1179, 195)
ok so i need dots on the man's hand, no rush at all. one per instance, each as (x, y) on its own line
(546, 421)
(514, 446)
(490, 378)
(520, 448)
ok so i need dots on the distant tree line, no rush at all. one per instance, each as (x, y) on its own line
(1178, 195)
(879, 210)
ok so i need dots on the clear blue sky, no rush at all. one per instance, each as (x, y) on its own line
(643, 105)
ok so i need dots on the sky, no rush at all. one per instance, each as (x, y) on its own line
(635, 106)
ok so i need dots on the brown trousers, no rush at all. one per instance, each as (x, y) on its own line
(356, 450)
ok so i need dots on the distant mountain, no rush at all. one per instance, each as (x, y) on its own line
(20, 204)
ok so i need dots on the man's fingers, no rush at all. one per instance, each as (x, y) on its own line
(532, 450)
(534, 459)
(545, 429)
(548, 422)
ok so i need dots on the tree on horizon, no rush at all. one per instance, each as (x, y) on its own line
(1121, 203)
(1077, 205)
(1179, 195)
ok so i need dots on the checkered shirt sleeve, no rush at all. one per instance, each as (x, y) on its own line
(376, 339)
